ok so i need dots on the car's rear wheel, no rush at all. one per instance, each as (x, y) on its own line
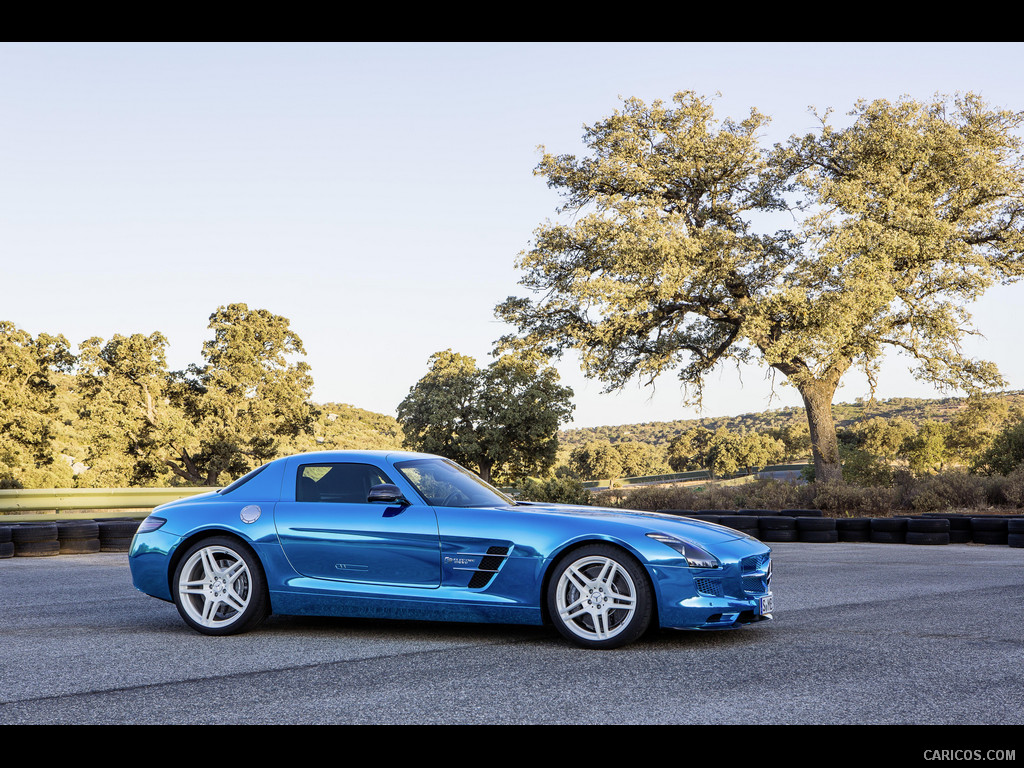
(599, 597)
(219, 587)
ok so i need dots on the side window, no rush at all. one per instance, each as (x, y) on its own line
(337, 483)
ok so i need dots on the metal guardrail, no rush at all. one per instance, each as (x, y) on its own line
(36, 499)
(700, 474)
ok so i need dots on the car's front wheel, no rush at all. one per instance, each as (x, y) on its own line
(599, 597)
(219, 587)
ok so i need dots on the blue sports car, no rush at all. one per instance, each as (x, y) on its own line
(392, 534)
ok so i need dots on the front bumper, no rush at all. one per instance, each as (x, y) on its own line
(716, 598)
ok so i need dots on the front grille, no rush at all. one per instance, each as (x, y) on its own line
(756, 574)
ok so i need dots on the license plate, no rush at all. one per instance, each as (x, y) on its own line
(767, 605)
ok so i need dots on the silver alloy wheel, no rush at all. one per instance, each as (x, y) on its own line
(596, 597)
(215, 586)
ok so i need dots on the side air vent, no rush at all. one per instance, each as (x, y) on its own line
(489, 565)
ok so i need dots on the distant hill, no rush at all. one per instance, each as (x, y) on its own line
(341, 426)
(661, 433)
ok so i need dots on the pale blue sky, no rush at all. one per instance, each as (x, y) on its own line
(377, 194)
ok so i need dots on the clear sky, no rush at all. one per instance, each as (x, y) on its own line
(377, 194)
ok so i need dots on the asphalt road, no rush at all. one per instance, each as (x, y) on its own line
(864, 634)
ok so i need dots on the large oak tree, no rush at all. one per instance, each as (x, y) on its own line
(667, 257)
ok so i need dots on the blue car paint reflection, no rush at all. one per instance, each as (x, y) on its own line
(299, 537)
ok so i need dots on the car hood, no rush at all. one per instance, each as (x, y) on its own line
(708, 532)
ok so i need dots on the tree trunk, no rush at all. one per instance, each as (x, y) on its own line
(824, 444)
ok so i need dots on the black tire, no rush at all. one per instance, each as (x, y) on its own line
(889, 530)
(599, 596)
(228, 593)
(989, 530)
(777, 523)
(927, 525)
(717, 519)
(36, 548)
(815, 524)
(991, 537)
(78, 529)
(118, 529)
(33, 532)
(740, 522)
(115, 545)
(926, 537)
(853, 524)
(79, 546)
(854, 535)
(818, 537)
(777, 535)
(888, 537)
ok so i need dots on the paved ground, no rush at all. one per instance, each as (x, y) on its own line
(865, 634)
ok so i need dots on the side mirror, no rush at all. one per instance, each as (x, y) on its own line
(386, 492)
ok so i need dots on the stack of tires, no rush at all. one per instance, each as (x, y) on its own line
(66, 537)
(1015, 532)
(744, 521)
(853, 528)
(927, 530)
(809, 525)
(6, 545)
(78, 537)
(35, 540)
(116, 535)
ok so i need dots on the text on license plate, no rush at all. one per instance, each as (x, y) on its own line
(767, 604)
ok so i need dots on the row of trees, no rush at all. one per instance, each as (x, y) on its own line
(112, 414)
(985, 435)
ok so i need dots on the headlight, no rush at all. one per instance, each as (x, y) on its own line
(696, 556)
(150, 524)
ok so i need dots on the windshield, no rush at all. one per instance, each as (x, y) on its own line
(444, 483)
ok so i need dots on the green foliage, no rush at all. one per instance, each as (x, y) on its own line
(596, 460)
(883, 438)
(503, 420)
(1006, 452)
(903, 216)
(115, 416)
(247, 402)
(125, 421)
(723, 452)
(927, 452)
(556, 490)
(33, 409)
(760, 494)
(640, 459)
(975, 426)
(339, 427)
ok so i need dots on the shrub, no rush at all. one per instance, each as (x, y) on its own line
(558, 490)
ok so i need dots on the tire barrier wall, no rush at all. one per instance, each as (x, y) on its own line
(73, 537)
(66, 537)
(809, 525)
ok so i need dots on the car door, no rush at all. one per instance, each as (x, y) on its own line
(328, 529)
